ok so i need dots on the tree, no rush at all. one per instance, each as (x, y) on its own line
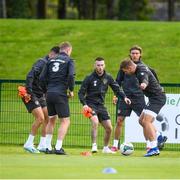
(3, 10)
(41, 9)
(84, 8)
(110, 9)
(171, 10)
(61, 9)
(94, 8)
(18, 9)
(134, 10)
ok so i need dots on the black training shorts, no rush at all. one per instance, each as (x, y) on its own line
(57, 105)
(137, 105)
(156, 103)
(34, 103)
(100, 111)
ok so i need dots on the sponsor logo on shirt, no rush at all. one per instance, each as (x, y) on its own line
(95, 83)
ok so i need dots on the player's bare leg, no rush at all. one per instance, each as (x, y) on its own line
(62, 131)
(42, 144)
(150, 131)
(49, 133)
(108, 130)
(149, 128)
(39, 118)
(142, 123)
(141, 118)
(117, 133)
(94, 132)
(45, 122)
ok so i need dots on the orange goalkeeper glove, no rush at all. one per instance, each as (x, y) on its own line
(115, 99)
(87, 113)
(22, 92)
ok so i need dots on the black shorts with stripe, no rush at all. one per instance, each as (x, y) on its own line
(34, 103)
(100, 111)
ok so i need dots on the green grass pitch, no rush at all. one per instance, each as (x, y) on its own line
(15, 163)
(22, 42)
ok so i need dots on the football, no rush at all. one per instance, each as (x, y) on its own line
(126, 148)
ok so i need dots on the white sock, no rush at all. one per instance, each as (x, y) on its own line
(58, 144)
(29, 142)
(148, 144)
(42, 142)
(115, 143)
(48, 141)
(106, 147)
(94, 144)
(153, 144)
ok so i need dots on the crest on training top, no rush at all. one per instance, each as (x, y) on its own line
(105, 81)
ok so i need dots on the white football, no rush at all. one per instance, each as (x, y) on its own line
(126, 148)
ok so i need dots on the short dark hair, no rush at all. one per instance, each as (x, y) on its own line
(99, 59)
(136, 47)
(55, 49)
(126, 63)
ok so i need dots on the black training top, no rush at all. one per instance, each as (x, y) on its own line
(94, 88)
(144, 75)
(59, 74)
(32, 78)
(130, 83)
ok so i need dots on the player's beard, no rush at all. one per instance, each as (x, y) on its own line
(100, 72)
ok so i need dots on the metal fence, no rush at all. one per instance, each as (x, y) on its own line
(15, 121)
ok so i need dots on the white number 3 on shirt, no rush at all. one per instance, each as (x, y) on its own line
(55, 68)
